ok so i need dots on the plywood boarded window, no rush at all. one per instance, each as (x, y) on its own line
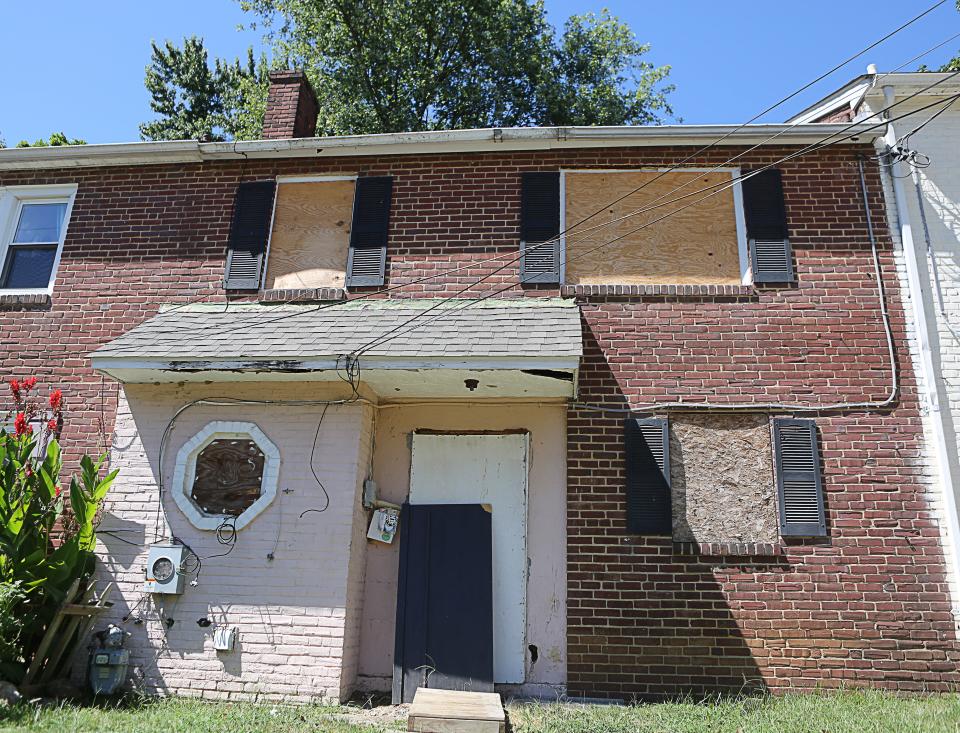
(311, 234)
(696, 246)
(722, 478)
(229, 476)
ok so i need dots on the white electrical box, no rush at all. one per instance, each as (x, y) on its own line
(383, 526)
(164, 571)
(224, 638)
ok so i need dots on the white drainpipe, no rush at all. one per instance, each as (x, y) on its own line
(930, 392)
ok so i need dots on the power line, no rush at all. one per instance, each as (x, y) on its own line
(674, 167)
(877, 404)
(397, 331)
(757, 116)
(918, 57)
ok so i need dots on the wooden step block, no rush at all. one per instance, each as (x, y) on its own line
(451, 711)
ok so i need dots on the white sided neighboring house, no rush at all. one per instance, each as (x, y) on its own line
(921, 179)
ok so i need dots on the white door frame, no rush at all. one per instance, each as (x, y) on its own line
(490, 469)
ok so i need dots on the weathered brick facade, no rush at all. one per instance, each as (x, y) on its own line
(291, 107)
(869, 605)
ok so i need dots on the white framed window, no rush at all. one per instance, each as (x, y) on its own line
(33, 227)
(227, 472)
(715, 225)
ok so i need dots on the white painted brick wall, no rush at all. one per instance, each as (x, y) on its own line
(940, 140)
(297, 614)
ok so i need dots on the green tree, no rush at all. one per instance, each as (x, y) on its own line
(598, 76)
(56, 139)
(953, 64)
(195, 101)
(401, 65)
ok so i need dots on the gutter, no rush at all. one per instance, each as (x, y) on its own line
(489, 140)
(930, 393)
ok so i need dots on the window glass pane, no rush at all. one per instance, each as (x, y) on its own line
(29, 267)
(40, 223)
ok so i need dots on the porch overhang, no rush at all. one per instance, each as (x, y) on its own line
(423, 348)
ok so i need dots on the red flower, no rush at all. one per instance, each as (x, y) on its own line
(29, 383)
(21, 426)
(57, 491)
(15, 389)
(56, 399)
(52, 425)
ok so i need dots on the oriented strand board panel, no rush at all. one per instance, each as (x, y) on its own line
(450, 711)
(695, 246)
(721, 471)
(311, 235)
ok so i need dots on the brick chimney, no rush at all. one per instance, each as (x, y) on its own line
(291, 107)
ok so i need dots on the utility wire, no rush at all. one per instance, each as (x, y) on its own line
(713, 190)
(781, 406)
(918, 57)
(445, 273)
(880, 404)
(716, 188)
(826, 142)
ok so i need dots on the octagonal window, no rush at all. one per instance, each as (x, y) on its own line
(227, 471)
(228, 477)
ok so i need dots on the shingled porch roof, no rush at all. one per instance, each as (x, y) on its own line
(539, 335)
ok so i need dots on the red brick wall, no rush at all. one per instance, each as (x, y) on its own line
(868, 606)
(291, 107)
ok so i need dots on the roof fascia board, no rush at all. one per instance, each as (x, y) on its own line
(867, 85)
(847, 97)
(107, 363)
(414, 143)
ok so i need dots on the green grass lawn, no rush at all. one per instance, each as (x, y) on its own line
(856, 712)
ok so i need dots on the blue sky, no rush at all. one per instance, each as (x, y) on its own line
(78, 67)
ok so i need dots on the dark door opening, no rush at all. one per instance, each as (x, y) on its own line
(444, 634)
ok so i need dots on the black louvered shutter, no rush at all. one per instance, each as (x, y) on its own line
(539, 223)
(367, 261)
(766, 218)
(646, 443)
(799, 485)
(249, 232)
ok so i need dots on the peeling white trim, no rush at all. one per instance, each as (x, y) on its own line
(418, 143)
(265, 364)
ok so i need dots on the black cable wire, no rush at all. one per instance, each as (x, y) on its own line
(228, 402)
(400, 329)
(226, 535)
(313, 470)
(113, 533)
(226, 532)
(384, 338)
(900, 151)
(445, 273)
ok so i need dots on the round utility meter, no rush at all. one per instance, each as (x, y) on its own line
(163, 569)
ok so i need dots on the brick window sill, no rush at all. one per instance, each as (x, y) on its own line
(660, 291)
(15, 301)
(725, 549)
(302, 295)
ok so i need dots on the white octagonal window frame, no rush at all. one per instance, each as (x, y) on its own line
(185, 470)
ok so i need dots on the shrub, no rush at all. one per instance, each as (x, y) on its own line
(44, 547)
(11, 595)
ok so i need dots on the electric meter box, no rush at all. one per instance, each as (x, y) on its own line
(164, 569)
